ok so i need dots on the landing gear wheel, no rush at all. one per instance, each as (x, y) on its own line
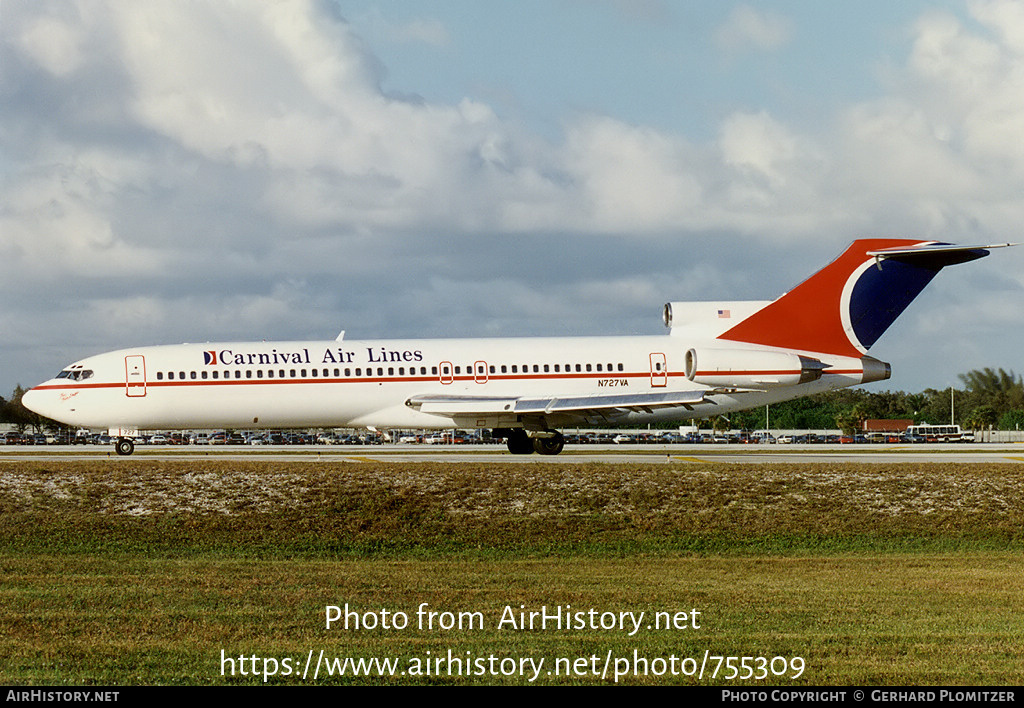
(124, 446)
(518, 443)
(549, 446)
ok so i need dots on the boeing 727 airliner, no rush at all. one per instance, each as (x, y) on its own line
(717, 357)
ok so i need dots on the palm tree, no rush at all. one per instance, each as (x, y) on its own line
(981, 418)
(1000, 389)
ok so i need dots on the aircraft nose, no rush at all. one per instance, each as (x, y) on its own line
(36, 401)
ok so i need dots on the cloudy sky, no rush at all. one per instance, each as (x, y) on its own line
(175, 170)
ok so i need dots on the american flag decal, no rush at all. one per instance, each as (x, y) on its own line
(724, 314)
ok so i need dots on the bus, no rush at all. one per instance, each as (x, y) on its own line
(936, 433)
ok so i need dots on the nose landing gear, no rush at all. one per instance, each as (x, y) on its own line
(124, 446)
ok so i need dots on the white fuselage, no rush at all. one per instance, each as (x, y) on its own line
(368, 383)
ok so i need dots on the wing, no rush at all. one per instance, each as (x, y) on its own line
(603, 405)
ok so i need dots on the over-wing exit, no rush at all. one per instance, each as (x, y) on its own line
(718, 357)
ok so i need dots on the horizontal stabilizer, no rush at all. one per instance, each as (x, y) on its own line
(935, 255)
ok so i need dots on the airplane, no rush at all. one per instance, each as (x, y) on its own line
(716, 358)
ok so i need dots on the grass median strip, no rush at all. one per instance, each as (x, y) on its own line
(143, 572)
(891, 619)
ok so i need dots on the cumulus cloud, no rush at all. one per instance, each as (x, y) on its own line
(749, 29)
(946, 142)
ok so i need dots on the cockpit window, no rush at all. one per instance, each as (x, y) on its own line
(75, 374)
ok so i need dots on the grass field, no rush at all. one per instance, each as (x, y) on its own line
(207, 572)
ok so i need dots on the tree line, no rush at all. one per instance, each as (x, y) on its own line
(990, 398)
(12, 412)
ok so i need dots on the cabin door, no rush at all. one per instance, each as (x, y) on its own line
(447, 372)
(659, 370)
(135, 375)
(480, 371)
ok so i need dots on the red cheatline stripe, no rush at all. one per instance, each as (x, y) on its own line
(407, 379)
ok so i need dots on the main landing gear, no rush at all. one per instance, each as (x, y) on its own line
(124, 446)
(546, 442)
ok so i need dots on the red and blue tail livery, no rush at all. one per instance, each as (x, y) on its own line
(845, 307)
(718, 357)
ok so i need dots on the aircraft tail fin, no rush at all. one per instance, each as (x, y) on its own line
(845, 307)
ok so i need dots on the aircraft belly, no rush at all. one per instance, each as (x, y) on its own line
(240, 407)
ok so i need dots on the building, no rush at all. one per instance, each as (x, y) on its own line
(877, 425)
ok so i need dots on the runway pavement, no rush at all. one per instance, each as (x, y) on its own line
(644, 454)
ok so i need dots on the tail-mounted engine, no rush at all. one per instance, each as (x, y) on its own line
(743, 368)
